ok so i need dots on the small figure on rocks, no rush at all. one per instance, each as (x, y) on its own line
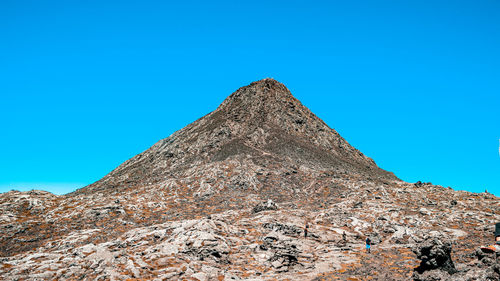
(368, 244)
(495, 248)
(306, 227)
(344, 237)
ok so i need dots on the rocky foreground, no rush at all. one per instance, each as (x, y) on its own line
(227, 198)
(266, 241)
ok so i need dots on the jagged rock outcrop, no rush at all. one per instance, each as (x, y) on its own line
(435, 259)
(436, 263)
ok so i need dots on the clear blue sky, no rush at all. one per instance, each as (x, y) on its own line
(85, 85)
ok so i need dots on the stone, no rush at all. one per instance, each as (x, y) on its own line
(269, 205)
(434, 254)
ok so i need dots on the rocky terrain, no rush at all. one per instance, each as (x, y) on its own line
(227, 198)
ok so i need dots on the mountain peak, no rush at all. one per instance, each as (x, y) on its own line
(266, 91)
(267, 81)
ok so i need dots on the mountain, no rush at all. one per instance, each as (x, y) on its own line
(228, 197)
(262, 124)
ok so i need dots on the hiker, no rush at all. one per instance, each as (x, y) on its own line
(495, 248)
(305, 230)
(368, 244)
(344, 238)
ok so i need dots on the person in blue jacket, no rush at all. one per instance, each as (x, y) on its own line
(368, 244)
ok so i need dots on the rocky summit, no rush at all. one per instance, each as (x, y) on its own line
(228, 198)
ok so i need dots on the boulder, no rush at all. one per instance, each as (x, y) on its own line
(435, 259)
(265, 206)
